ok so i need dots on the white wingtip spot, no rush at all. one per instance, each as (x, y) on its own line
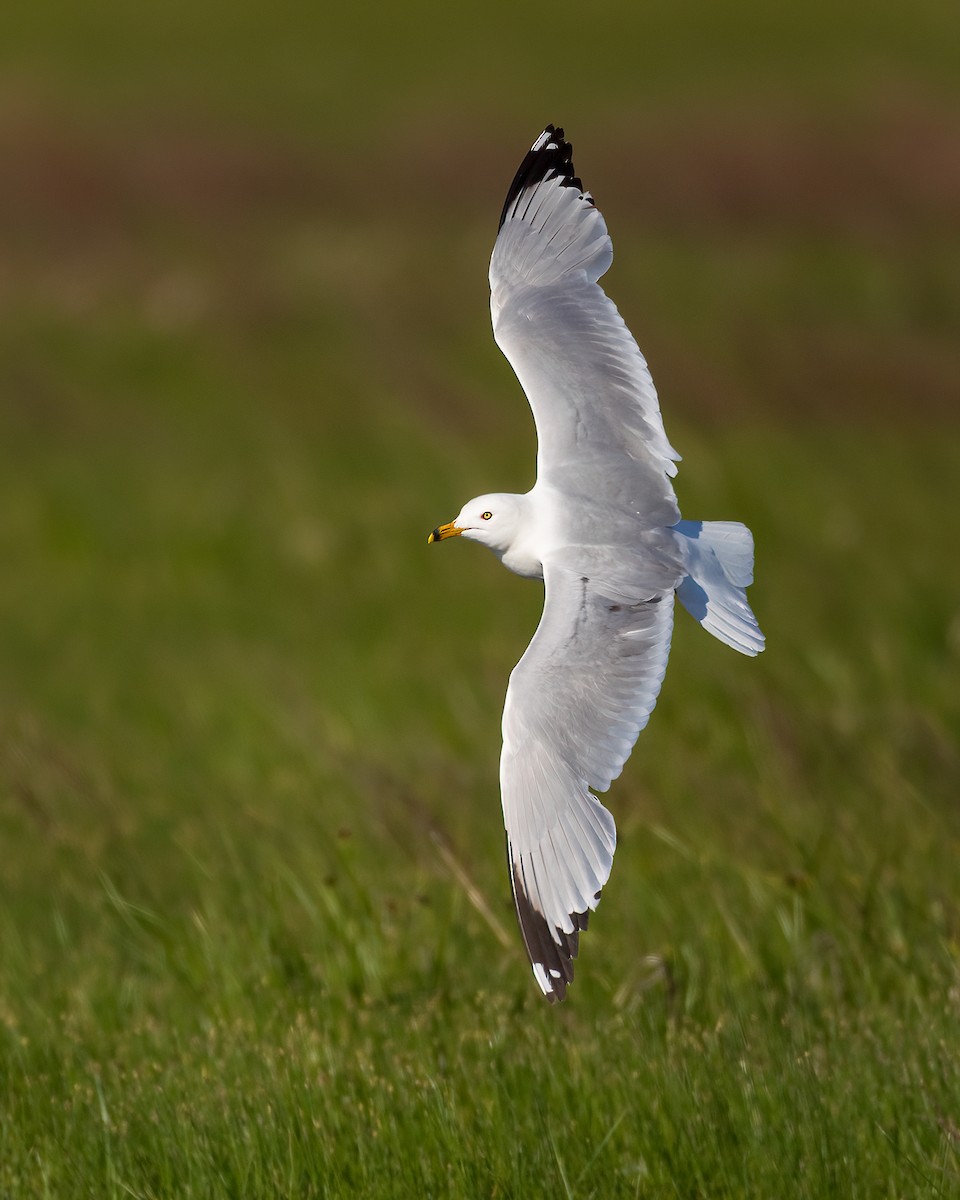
(541, 977)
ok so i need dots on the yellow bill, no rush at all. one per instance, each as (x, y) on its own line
(444, 531)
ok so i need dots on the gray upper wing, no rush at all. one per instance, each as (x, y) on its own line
(593, 400)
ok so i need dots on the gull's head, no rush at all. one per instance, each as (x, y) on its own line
(492, 520)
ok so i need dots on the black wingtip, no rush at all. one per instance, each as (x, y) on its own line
(550, 155)
(551, 953)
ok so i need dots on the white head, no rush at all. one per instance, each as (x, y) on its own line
(492, 520)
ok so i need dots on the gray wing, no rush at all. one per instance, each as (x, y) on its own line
(589, 387)
(577, 700)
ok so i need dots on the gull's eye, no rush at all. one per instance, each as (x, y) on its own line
(486, 516)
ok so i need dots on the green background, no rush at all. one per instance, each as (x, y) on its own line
(256, 936)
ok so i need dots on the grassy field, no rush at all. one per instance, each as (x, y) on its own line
(256, 936)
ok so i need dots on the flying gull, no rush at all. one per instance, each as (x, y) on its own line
(602, 529)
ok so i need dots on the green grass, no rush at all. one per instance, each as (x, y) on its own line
(256, 936)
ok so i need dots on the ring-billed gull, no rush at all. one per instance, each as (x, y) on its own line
(602, 529)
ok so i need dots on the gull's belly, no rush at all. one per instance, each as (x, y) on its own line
(617, 548)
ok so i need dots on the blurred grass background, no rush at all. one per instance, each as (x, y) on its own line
(255, 929)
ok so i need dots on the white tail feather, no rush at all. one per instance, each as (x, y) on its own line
(719, 561)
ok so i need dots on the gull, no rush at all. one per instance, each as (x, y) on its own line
(602, 529)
